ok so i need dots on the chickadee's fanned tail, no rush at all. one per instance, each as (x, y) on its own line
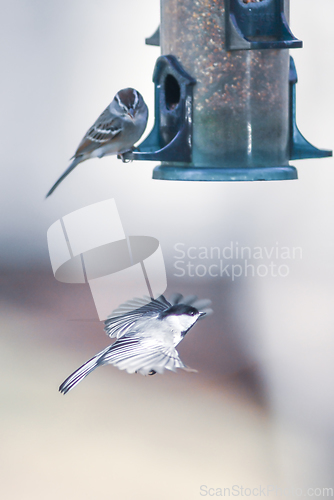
(72, 166)
(81, 372)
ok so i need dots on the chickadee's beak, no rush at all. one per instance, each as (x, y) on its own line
(202, 314)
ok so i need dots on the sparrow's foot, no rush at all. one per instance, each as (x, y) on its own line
(126, 156)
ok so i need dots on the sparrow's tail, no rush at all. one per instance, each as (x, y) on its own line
(74, 163)
(81, 372)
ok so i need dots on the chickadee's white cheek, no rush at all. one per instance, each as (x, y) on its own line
(186, 322)
(189, 321)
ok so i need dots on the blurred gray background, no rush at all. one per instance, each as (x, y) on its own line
(260, 411)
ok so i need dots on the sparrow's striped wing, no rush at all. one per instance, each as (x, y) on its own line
(124, 318)
(104, 130)
(138, 354)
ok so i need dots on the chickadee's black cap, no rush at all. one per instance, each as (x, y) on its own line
(178, 310)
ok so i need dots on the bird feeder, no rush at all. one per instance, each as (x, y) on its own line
(225, 100)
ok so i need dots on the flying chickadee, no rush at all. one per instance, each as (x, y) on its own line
(115, 131)
(146, 337)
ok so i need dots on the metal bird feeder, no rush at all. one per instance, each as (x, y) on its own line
(225, 95)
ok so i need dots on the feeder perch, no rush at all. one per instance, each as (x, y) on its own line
(225, 98)
(154, 39)
(257, 25)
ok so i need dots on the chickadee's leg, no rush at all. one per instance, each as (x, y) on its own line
(152, 372)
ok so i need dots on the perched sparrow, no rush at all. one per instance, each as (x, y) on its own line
(115, 131)
(146, 337)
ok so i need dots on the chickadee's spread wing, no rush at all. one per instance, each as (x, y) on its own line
(125, 317)
(145, 304)
(106, 127)
(130, 353)
(135, 354)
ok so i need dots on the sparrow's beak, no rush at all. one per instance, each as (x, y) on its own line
(202, 314)
(131, 113)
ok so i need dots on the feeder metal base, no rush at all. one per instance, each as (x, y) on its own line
(171, 173)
